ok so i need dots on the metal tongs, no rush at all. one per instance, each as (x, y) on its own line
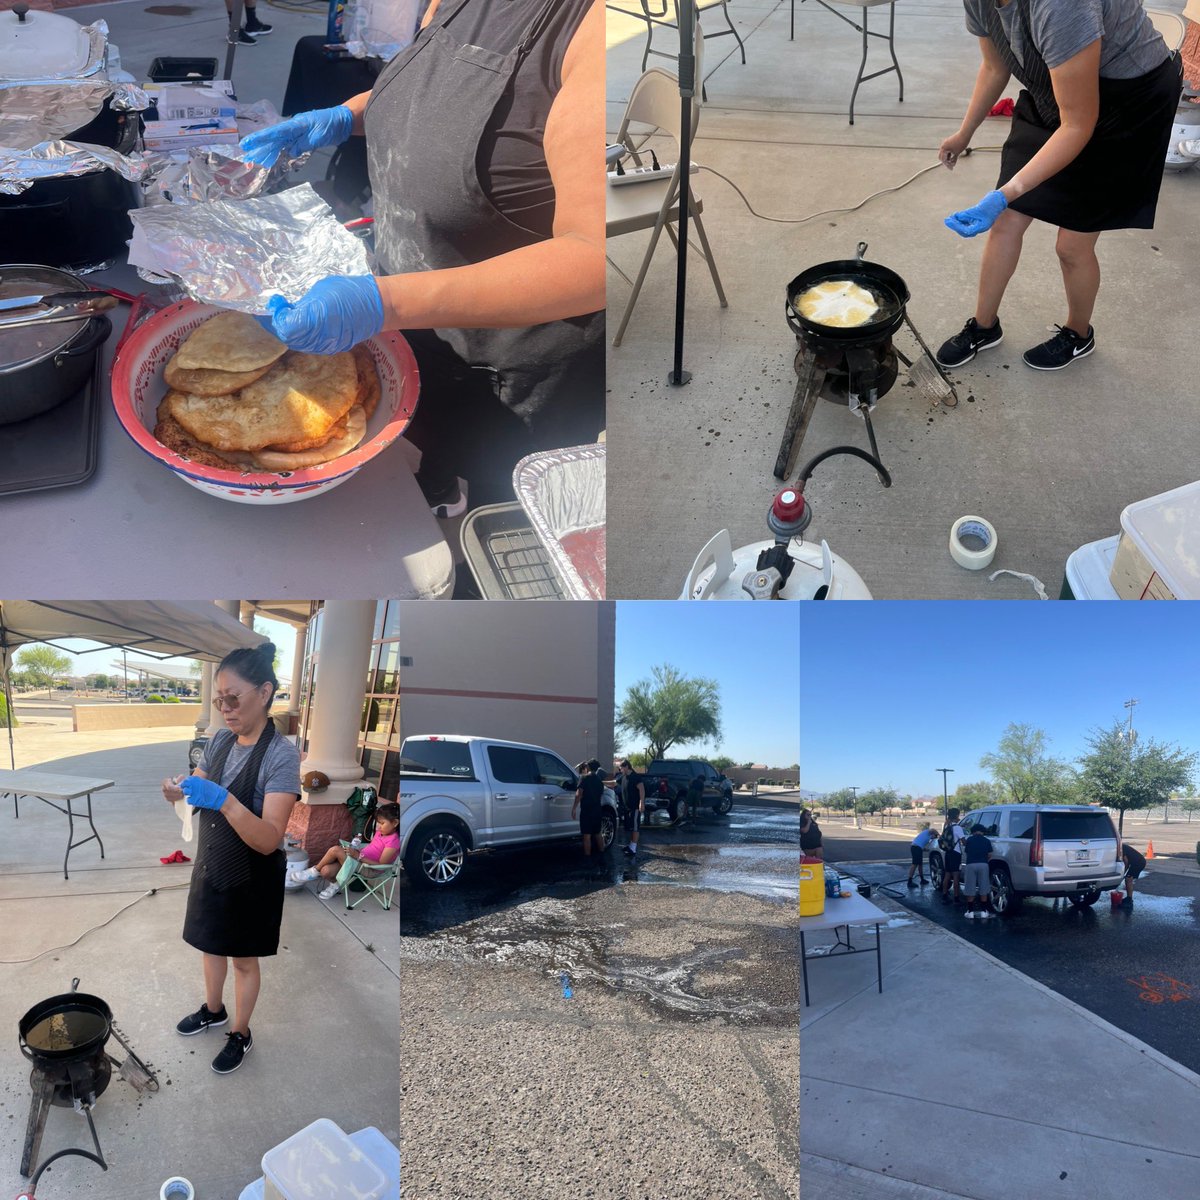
(19, 311)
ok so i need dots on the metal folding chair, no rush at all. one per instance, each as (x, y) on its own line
(378, 880)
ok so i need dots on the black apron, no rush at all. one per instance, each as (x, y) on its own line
(1114, 181)
(488, 396)
(235, 901)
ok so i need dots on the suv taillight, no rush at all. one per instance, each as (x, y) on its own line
(1035, 846)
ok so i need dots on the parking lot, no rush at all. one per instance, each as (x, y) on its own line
(609, 1030)
(1139, 968)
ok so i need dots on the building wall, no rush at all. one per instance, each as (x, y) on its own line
(520, 670)
(87, 717)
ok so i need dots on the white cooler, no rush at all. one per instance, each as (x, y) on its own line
(1088, 570)
(1158, 555)
(371, 1172)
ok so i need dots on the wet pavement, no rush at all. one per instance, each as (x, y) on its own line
(549, 1000)
(1138, 968)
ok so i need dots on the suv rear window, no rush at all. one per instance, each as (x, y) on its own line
(1072, 826)
(441, 758)
(1020, 823)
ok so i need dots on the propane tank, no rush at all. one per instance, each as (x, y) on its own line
(783, 569)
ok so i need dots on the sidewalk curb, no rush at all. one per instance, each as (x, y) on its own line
(1135, 1043)
(901, 1189)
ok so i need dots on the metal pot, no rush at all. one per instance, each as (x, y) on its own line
(43, 365)
(889, 290)
(85, 1026)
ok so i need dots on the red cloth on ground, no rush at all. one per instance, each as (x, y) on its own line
(1003, 108)
(177, 857)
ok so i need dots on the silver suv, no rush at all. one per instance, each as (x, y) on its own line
(1044, 850)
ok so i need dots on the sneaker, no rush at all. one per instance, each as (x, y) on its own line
(984, 915)
(1189, 148)
(304, 874)
(255, 26)
(626, 850)
(971, 913)
(924, 881)
(448, 502)
(201, 1020)
(241, 38)
(1061, 350)
(963, 346)
(911, 884)
(329, 891)
(237, 1046)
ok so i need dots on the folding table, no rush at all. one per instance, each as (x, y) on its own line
(48, 788)
(840, 914)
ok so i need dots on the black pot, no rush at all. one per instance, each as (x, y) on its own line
(889, 290)
(87, 1021)
(43, 365)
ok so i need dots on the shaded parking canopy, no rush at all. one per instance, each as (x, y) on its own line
(157, 629)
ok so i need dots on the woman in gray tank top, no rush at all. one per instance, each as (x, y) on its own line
(1089, 138)
(482, 142)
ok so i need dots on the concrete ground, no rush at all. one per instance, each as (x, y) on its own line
(1050, 460)
(325, 1028)
(669, 1071)
(967, 1079)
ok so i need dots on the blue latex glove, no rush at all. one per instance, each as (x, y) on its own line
(333, 315)
(980, 218)
(203, 793)
(298, 135)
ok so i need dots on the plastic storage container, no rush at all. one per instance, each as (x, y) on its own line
(179, 70)
(1158, 557)
(812, 887)
(1088, 571)
(321, 1163)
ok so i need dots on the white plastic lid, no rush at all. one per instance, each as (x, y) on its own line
(1089, 569)
(322, 1163)
(43, 46)
(1166, 529)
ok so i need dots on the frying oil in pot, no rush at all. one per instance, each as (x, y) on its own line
(65, 1031)
(885, 302)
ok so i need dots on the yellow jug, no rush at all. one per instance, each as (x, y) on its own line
(812, 887)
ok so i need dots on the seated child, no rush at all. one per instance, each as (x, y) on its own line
(381, 850)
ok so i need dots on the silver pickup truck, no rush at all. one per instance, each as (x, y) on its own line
(460, 793)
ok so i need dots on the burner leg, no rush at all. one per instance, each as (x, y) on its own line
(38, 1112)
(937, 366)
(804, 401)
(866, 415)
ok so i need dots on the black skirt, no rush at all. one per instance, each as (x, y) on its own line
(1114, 182)
(241, 922)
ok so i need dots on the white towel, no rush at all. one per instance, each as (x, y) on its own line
(183, 810)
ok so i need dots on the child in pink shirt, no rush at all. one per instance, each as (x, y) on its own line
(379, 851)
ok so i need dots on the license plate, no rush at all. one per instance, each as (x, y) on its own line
(1081, 856)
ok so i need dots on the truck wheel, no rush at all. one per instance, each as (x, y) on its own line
(677, 808)
(1084, 899)
(1005, 899)
(437, 856)
(937, 872)
(723, 806)
(608, 828)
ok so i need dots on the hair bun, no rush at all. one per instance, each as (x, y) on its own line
(267, 650)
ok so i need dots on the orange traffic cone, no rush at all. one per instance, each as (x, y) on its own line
(1149, 850)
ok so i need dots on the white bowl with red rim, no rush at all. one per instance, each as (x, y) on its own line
(138, 388)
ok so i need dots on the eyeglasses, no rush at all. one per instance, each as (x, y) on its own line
(231, 700)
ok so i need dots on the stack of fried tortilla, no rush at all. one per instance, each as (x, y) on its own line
(238, 398)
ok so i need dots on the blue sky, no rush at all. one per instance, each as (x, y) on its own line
(751, 648)
(891, 690)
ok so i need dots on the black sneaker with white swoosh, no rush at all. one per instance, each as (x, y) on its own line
(1061, 350)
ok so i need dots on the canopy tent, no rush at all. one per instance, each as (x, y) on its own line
(157, 629)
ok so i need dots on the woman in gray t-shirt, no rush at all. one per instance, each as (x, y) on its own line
(244, 790)
(1089, 138)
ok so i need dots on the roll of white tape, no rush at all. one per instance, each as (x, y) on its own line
(177, 1188)
(975, 528)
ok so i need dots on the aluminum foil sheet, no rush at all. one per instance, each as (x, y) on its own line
(203, 174)
(562, 493)
(20, 169)
(237, 254)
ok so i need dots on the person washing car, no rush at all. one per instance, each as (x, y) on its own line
(1085, 153)
(977, 852)
(951, 842)
(633, 804)
(1135, 864)
(483, 141)
(916, 849)
(588, 796)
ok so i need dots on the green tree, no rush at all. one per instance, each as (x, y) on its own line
(671, 709)
(1025, 773)
(42, 665)
(875, 800)
(840, 801)
(1133, 776)
(1189, 804)
(975, 795)
(722, 762)
(4, 721)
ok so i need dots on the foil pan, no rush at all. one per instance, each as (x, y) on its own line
(237, 254)
(562, 493)
(36, 111)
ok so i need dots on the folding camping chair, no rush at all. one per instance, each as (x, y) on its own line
(377, 880)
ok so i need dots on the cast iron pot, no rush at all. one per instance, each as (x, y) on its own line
(43, 365)
(885, 284)
(68, 1003)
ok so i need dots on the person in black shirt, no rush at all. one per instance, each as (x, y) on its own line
(695, 793)
(588, 796)
(633, 789)
(1135, 864)
(811, 843)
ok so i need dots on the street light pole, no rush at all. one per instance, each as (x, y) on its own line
(1130, 705)
(945, 792)
(853, 790)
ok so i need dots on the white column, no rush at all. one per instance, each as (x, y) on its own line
(215, 722)
(298, 670)
(344, 654)
(206, 693)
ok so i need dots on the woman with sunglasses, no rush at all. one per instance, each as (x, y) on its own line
(245, 788)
